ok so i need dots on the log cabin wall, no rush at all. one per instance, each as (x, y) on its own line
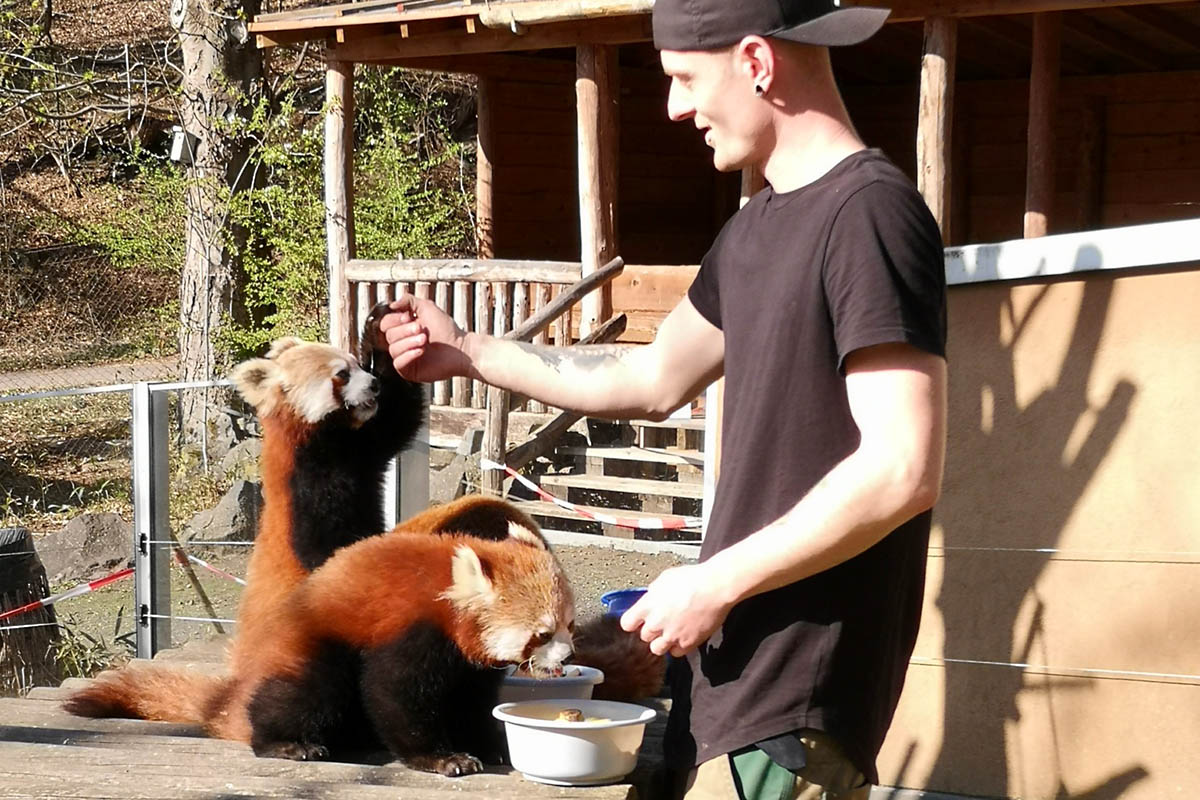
(1128, 149)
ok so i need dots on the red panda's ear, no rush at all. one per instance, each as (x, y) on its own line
(256, 380)
(281, 344)
(470, 581)
(519, 532)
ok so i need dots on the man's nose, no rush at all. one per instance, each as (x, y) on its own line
(679, 104)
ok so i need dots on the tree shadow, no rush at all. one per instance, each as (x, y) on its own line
(1035, 467)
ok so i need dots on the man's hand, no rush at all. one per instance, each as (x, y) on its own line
(424, 342)
(679, 611)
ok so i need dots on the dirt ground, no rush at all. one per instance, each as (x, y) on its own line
(103, 621)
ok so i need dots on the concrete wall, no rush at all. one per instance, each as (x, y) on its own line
(1075, 430)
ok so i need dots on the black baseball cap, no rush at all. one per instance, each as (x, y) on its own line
(712, 24)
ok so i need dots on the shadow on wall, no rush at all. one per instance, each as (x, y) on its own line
(1023, 470)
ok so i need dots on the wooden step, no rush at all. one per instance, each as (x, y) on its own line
(540, 508)
(643, 486)
(657, 455)
(684, 423)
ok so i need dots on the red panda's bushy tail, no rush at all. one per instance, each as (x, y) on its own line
(631, 671)
(151, 692)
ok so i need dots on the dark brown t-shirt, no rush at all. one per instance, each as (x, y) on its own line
(797, 281)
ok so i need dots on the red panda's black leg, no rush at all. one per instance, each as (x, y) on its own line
(305, 717)
(430, 706)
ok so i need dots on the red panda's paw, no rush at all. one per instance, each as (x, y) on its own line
(372, 340)
(453, 765)
(296, 751)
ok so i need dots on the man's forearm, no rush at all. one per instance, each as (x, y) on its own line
(846, 513)
(592, 379)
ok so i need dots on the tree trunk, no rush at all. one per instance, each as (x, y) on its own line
(222, 77)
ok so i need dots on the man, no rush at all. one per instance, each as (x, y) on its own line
(822, 302)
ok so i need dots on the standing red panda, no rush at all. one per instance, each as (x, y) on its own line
(398, 639)
(330, 426)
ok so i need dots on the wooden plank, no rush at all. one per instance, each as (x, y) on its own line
(936, 118)
(914, 10)
(597, 98)
(1043, 99)
(693, 458)
(60, 771)
(462, 269)
(540, 508)
(339, 207)
(610, 483)
(1071, 253)
(385, 47)
(461, 385)
(441, 389)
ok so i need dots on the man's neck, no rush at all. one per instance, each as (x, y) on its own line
(807, 150)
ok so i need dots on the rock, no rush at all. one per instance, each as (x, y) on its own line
(234, 519)
(90, 546)
(241, 461)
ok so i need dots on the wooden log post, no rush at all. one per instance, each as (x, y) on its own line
(495, 432)
(483, 325)
(1090, 171)
(596, 98)
(935, 122)
(441, 296)
(339, 195)
(26, 652)
(460, 395)
(1043, 97)
(541, 298)
(484, 153)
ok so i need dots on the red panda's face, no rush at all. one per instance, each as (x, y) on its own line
(313, 380)
(519, 596)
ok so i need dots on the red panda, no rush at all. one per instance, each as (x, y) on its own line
(631, 671)
(330, 425)
(398, 639)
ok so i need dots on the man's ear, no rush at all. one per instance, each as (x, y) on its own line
(755, 58)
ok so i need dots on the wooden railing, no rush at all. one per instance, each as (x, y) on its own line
(484, 295)
(516, 300)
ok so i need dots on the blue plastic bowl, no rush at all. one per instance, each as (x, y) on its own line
(618, 601)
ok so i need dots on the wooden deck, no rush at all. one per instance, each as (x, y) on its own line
(48, 753)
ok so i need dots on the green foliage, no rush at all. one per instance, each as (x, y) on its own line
(143, 221)
(405, 200)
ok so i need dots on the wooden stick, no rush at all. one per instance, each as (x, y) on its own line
(936, 119)
(1043, 97)
(566, 298)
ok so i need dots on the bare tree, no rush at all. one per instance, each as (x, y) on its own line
(222, 74)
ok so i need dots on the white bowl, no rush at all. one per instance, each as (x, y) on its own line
(574, 753)
(578, 681)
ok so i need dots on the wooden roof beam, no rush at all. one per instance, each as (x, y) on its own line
(912, 10)
(390, 46)
(1115, 43)
(1165, 24)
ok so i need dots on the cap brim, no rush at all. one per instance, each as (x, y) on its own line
(840, 28)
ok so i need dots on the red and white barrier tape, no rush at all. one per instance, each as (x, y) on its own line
(658, 524)
(82, 588)
(209, 567)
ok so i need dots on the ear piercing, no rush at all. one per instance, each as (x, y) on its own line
(758, 89)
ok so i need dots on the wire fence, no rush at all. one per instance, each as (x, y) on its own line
(69, 317)
(66, 479)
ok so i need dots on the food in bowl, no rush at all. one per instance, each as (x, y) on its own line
(601, 748)
(576, 681)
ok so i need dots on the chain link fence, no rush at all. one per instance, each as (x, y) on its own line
(69, 318)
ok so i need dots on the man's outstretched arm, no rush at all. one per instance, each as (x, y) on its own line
(620, 381)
